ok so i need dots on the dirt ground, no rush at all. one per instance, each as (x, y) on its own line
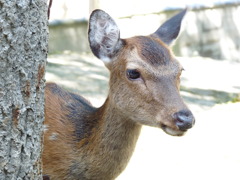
(211, 150)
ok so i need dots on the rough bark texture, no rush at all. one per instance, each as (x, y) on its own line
(23, 53)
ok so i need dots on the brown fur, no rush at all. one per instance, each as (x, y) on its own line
(102, 155)
(87, 143)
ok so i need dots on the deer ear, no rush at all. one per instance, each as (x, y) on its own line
(103, 36)
(169, 30)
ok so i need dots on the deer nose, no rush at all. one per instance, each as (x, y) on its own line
(184, 120)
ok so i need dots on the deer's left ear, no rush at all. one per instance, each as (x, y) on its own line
(169, 30)
(103, 36)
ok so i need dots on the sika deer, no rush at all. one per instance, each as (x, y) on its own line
(88, 143)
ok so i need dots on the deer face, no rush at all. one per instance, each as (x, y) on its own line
(145, 75)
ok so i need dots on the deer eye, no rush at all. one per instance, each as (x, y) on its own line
(133, 74)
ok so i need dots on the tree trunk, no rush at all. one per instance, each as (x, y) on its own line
(23, 54)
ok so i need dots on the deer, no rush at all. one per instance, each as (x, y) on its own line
(95, 143)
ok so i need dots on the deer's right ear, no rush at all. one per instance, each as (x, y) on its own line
(103, 36)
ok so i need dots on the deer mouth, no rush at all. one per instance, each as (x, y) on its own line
(171, 131)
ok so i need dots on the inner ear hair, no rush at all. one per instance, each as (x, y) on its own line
(103, 35)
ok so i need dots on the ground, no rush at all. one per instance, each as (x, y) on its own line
(210, 150)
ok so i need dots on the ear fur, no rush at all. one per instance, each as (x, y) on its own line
(169, 30)
(103, 35)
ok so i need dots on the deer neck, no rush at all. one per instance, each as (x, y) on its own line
(114, 141)
(116, 130)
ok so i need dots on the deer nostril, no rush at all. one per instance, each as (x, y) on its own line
(184, 120)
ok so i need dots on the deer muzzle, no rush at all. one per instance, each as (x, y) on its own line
(184, 120)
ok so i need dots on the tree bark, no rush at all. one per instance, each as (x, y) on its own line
(23, 54)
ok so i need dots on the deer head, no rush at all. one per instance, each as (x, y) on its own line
(144, 74)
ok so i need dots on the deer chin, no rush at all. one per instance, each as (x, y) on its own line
(171, 131)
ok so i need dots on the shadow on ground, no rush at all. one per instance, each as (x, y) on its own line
(79, 73)
(206, 97)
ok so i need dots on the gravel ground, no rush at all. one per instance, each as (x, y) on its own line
(210, 150)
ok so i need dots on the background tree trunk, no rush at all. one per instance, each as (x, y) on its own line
(23, 54)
